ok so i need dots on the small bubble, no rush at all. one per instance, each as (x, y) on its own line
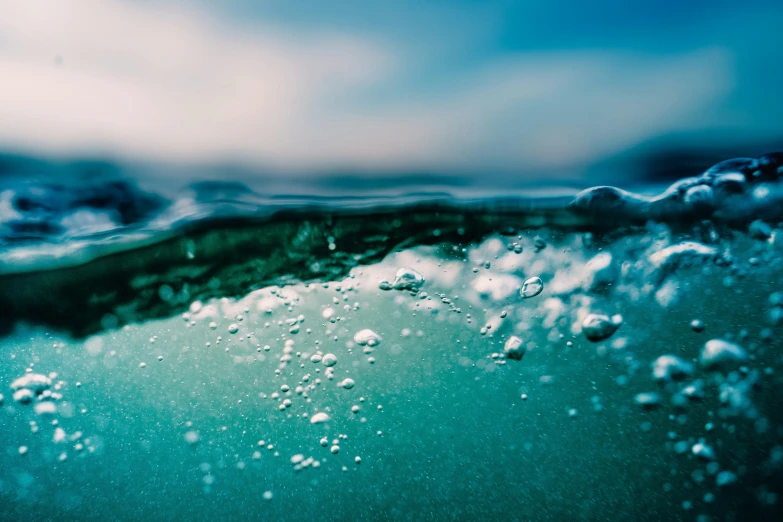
(703, 451)
(697, 325)
(648, 400)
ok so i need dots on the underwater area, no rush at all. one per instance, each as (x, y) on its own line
(599, 355)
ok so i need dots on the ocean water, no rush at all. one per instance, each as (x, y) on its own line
(224, 353)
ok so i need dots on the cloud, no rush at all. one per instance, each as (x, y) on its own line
(163, 83)
(553, 110)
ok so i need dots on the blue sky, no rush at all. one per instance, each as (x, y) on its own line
(459, 86)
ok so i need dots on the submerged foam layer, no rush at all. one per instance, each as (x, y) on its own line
(93, 256)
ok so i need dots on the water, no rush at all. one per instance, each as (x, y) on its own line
(217, 354)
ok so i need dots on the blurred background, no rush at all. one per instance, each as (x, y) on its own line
(443, 92)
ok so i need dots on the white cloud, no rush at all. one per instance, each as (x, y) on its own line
(164, 83)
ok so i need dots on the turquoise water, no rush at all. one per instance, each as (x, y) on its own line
(184, 372)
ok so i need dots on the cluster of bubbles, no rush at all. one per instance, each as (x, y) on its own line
(43, 393)
(311, 367)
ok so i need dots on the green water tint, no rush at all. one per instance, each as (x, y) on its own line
(232, 258)
(340, 400)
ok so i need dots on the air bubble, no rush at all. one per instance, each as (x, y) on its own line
(598, 327)
(319, 418)
(407, 279)
(514, 348)
(367, 337)
(531, 287)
